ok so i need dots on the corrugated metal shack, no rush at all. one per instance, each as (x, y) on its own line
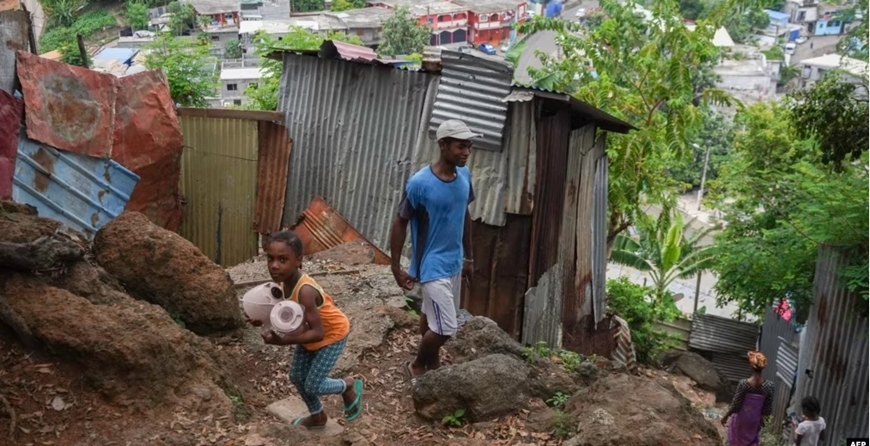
(233, 177)
(362, 127)
(779, 342)
(833, 363)
(725, 343)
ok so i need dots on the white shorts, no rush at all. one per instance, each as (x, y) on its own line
(441, 304)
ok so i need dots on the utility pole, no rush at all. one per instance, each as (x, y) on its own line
(697, 293)
(703, 175)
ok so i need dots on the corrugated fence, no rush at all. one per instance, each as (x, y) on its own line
(726, 341)
(833, 364)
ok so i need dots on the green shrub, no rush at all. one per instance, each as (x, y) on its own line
(86, 25)
(632, 302)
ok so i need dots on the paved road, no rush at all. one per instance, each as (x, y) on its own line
(544, 42)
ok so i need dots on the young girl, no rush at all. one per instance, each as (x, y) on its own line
(321, 337)
(812, 427)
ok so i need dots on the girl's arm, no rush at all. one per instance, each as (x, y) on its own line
(311, 329)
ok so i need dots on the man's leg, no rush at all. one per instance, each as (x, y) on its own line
(440, 314)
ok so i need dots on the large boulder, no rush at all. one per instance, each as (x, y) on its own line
(619, 409)
(161, 267)
(480, 337)
(486, 388)
(129, 350)
(698, 369)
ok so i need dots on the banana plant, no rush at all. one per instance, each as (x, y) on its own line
(661, 249)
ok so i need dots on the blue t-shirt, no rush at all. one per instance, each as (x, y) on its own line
(436, 209)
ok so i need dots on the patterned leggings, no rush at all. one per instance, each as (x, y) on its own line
(309, 373)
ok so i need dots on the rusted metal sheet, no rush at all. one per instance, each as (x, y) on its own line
(148, 141)
(599, 235)
(501, 267)
(574, 214)
(320, 227)
(582, 306)
(272, 166)
(80, 191)
(70, 108)
(13, 37)
(833, 364)
(552, 152)
(11, 109)
(358, 134)
(472, 89)
(219, 184)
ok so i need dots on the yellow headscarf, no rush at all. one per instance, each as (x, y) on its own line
(757, 360)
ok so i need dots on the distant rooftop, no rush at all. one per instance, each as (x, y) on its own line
(832, 61)
(422, 8)
(489, 6)
(123, 55)
(211, 7)
(363, 17)
(277, 26)
(238, 74)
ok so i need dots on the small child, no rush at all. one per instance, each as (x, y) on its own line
(812, 429)
(321, 337)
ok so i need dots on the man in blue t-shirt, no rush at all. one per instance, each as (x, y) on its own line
(436, 203)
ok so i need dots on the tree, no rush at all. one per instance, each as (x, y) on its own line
(63, 12)
(264, 96)
(642, 74)
(834, 115)
(307, 5)
(188, 67)
(341, 5)
(715, 135)
(780, 203)
(663, 251)
(182, 19)
(743, 22)
(233, 49)
(137, 15)
(403, 34)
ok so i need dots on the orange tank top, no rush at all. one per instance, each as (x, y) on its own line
(335, 324)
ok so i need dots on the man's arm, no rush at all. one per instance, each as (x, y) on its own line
(397, 240)
(466, 237)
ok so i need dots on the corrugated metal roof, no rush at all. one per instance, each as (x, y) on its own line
(471, 90)
(602, 119)
(212, 7)
(125, 55)
(722, 335)
(732, 366)
(358, 135)
(273, 165)
(834, 350)
(80, 191)
(774, 331)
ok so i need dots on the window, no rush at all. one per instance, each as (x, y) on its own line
(232, 87)
(237, 102)
(215, 38)
(482, 18)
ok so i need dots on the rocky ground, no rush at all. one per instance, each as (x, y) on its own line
(108, 364)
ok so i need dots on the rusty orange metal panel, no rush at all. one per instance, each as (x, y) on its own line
(320, 227)
(10, 125)
(272, 169)
(148, 141)
(70, 108)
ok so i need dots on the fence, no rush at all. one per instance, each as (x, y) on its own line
(833, 364)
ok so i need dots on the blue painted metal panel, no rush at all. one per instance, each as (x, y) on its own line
(124, 55)
(79, 191)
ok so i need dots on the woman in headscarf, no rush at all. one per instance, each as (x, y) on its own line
(752, 402)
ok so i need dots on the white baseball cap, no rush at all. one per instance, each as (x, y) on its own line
(456, 129)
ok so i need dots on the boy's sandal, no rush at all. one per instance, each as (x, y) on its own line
(409, 377)
(354, 410)
(298, 421)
